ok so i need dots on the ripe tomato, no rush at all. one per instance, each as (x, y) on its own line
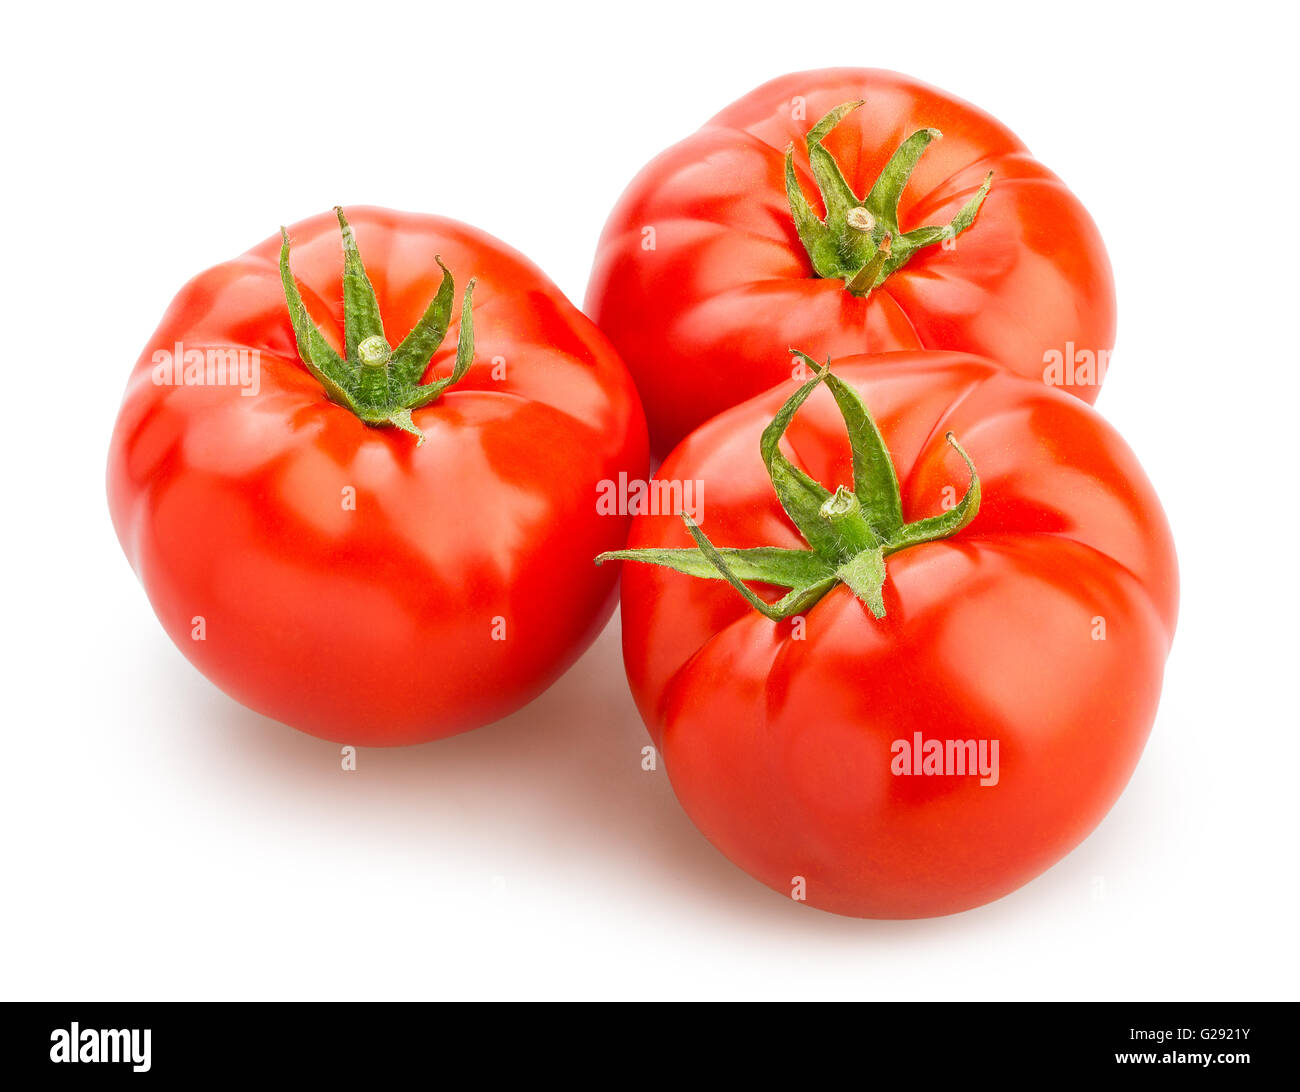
(354, 540)
(1023, 623)
(717, 254)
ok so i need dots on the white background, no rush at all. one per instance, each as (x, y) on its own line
(159, 841)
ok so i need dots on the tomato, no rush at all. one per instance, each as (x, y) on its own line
(365, 543)
(874, 235)
(963, 674)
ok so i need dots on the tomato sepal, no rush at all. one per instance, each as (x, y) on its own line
(849, 533)
(860, 241)
(379, 384)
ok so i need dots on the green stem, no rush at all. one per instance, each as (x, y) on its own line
(843, 512)
(379, 384)
(849, 532)
(859, 241)
(373, 355)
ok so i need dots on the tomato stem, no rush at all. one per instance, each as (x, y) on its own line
(849, 532)
(843, 511)
(378, 383)
(859, 240)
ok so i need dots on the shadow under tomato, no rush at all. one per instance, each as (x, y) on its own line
(559, 782)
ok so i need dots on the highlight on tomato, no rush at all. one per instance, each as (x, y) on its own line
(360, 508)
(845, 211)
(908, 654)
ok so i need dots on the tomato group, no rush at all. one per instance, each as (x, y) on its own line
(364, 543)
(759, 233)
(1014, 618)
(904, 651)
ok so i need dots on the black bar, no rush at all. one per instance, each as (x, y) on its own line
(333, 1041)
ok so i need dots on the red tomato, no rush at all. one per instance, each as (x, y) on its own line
(702, 272)
(344, 577)
(1041, 625)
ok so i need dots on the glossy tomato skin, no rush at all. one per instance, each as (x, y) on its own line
(700, 277)
(348, 582)
(779, 743)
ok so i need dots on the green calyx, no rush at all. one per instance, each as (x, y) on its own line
(378, 383)
(849, 532)
(860, 241)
